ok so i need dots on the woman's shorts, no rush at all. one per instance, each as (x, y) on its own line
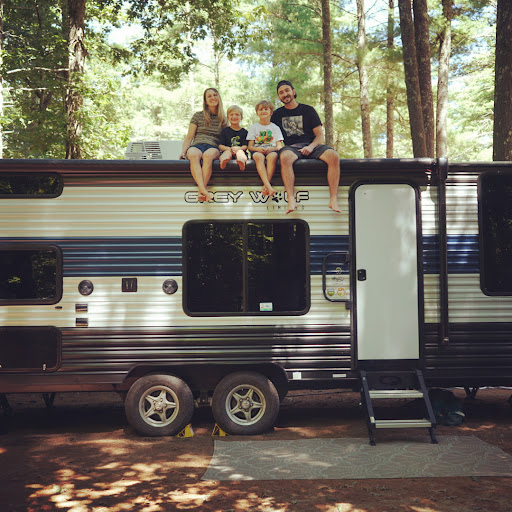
(203, 147)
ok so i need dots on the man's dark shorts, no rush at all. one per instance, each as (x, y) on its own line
(316, 153)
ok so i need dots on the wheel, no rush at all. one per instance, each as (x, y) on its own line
(159, 405)
(245, 403)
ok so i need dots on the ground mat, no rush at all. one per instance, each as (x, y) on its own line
(351, 458)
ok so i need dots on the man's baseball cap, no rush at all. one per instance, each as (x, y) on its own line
(286, 82)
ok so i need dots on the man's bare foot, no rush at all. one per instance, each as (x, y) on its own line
(223, 163)
(241, 164)
(333, 205)
(292, 206)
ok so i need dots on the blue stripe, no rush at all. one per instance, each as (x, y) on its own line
(162, 256)
(463, 254)
(320, 246)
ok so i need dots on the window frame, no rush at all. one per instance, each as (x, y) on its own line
(58, 277)
(242, 222)
(57, 193)
(484, 278)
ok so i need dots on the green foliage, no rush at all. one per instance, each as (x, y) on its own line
(172, 27)
(149, 87)
(33, 65)
(106, 120)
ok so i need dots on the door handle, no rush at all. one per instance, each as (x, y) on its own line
(361, 274)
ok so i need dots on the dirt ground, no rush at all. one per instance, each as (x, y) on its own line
(81, 456)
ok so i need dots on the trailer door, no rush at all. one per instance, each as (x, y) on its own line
(386, 246)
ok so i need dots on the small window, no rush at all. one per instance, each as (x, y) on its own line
(246, 268)
(30, 349)
(495, 212)
(30, 185)
(30, 274)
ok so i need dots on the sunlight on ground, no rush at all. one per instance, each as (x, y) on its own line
(76, 492)
(344, 507)
(479, 428)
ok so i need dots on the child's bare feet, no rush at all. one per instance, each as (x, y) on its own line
(241, 164)
(223, 163)
(271, 191)
(333, 205)
(264, 190)
(292, 205)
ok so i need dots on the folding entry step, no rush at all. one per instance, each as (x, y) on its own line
(382, 385)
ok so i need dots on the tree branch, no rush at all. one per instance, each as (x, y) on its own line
(343, 58)
(311, 8)
(37, 68)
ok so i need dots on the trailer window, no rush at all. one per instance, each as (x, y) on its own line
(246, 268)
(495, 226)
(30, 274)
(30, 185)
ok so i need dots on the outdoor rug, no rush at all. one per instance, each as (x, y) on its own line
(351, 458)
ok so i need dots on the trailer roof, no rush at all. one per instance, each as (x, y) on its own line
(177, 172)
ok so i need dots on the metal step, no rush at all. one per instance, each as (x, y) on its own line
(419, 423)
(395, 393)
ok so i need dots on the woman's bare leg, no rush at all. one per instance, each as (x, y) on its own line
(195, 155)
(208, 157)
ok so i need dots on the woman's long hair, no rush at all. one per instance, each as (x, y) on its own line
(223, 122)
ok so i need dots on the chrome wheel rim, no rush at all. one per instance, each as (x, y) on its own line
(245, 405)
(159, 406)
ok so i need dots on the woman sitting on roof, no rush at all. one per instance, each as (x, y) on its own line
(202, 140)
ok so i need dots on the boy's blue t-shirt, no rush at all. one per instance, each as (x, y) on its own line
(230, 137)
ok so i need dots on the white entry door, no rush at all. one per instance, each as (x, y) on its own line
(386, 253)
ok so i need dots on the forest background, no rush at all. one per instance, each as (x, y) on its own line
(391, 78)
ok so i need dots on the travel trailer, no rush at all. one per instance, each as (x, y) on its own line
(114, 277)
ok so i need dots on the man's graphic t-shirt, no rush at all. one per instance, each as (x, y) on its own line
(297, 124)
(265, 136)
(233, 138)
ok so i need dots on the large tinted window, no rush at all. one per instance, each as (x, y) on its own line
(30, 185)
(30, 275)
(495, 208)
(246, 267)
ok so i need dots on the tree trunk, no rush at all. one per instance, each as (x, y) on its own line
(74, 99)
(411, 80)
(327, 57)
(442, 80)
(390, 98)
(363, 80)
(502, 143)
(421, 35)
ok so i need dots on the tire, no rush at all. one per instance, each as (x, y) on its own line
(159, 405)
(282, 390)
(245, 403)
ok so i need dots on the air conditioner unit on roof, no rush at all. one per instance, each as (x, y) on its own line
(154, 150)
